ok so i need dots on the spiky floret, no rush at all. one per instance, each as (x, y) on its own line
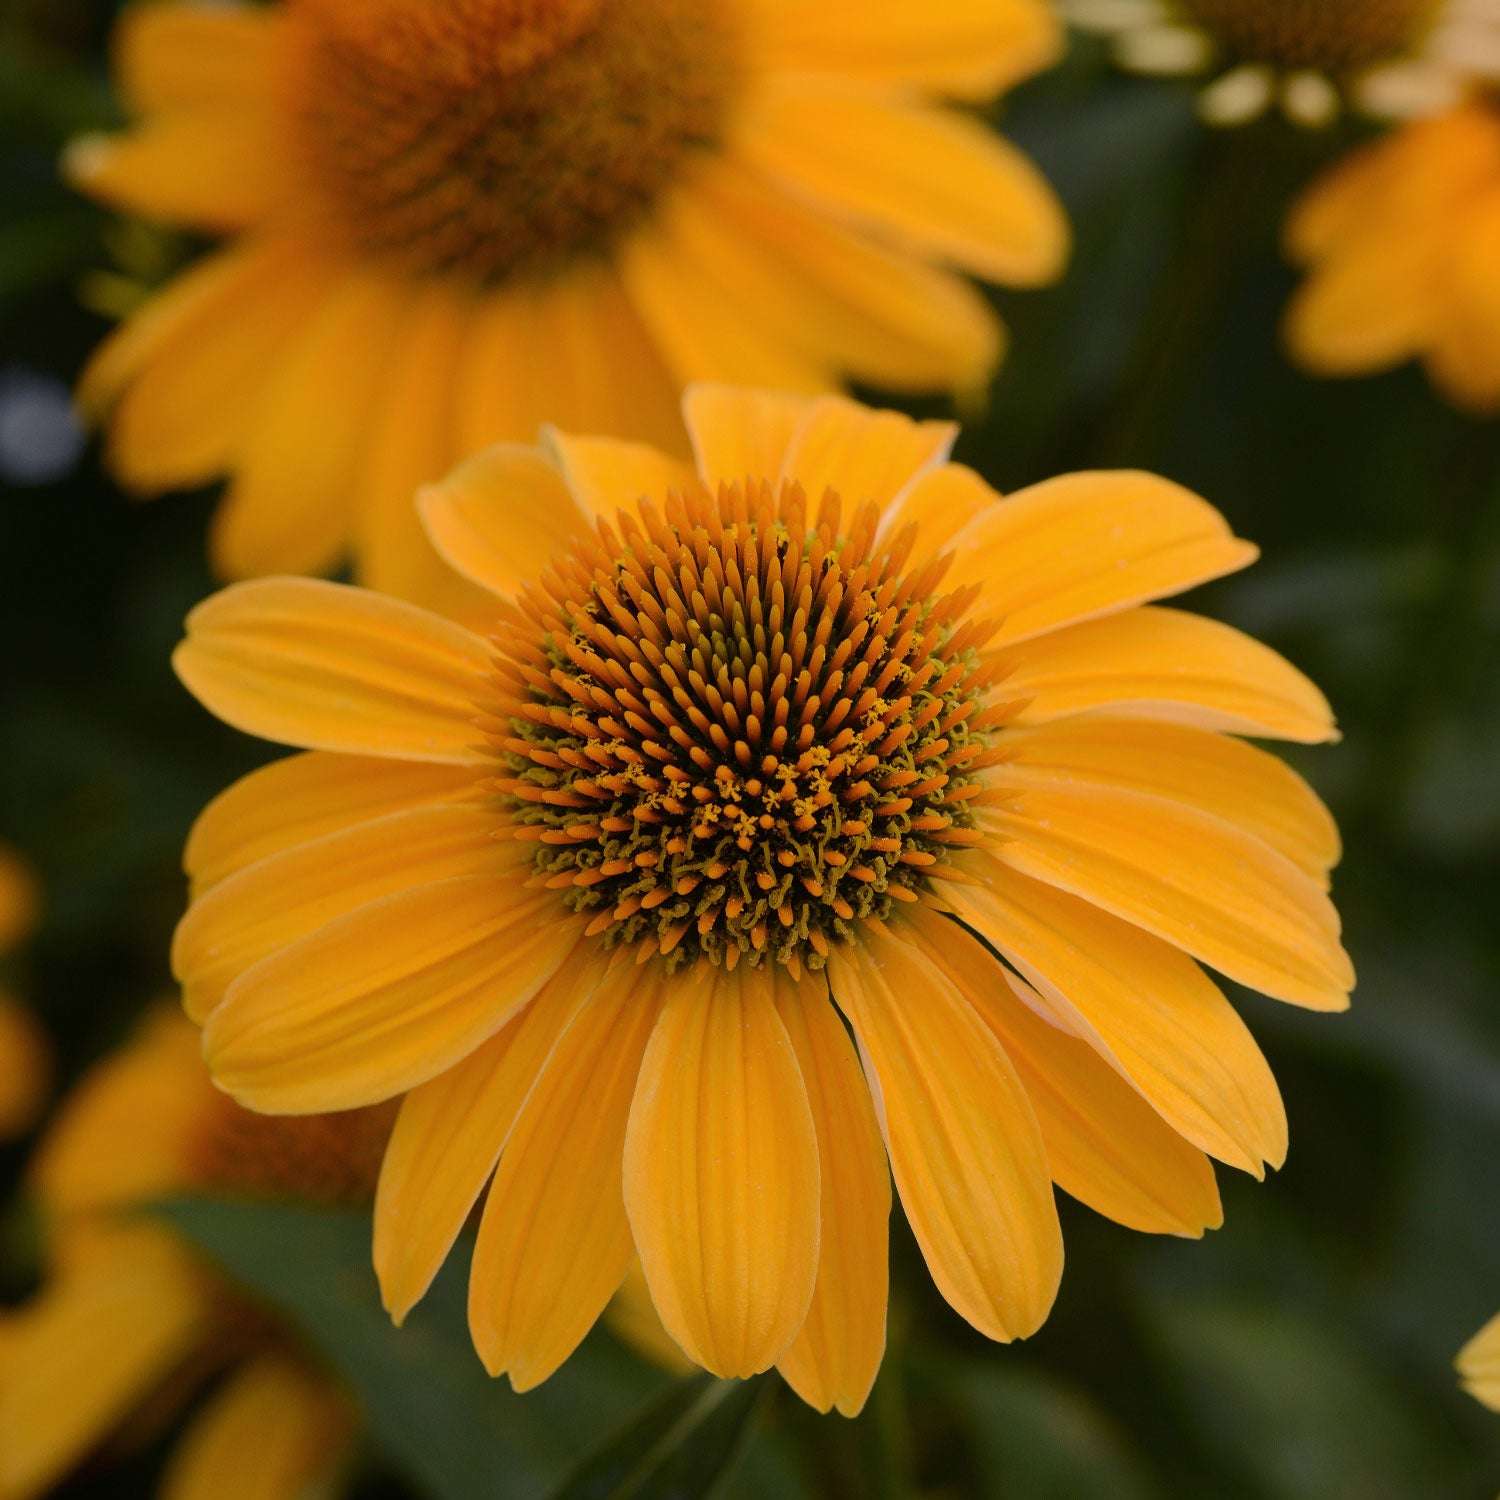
(736, 729)
(1330, 36)
(490, 137)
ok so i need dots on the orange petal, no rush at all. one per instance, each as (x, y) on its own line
(740, 434)
(303, 797)
(835, 1358)
(1479, 1364)
(500, 518)
(1145, 1007)
(964, 1143)
(1086, 545)
(274, 1430)
(290, 895)
(210, 57)
(1105, 1144)
(385, 998)
(554, 1243)
(938, 183)
(290, 507)
(450, 1131)
(863, 454)
(1224, 777)
(1193, 880)
(721, 1173)
(1154, 663)
(940, 504)
(327, 667)
(607, 474)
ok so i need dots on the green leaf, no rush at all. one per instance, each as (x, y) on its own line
(428, 1402)
(680, 1448)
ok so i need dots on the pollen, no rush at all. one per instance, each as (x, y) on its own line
(1325, 36)
(494, 138)
(736, 729)
(323, 1159)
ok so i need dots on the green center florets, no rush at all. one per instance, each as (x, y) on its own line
(743, 739)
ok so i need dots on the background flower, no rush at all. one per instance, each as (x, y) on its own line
(448, 225)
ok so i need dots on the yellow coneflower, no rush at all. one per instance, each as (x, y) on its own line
(1309, 57)
(1479, 1364)
(452, 220)
(1401, 242)
(25, 1056)
(128, 1315)
(819, 730)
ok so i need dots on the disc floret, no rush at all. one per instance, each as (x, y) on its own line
(736, 731)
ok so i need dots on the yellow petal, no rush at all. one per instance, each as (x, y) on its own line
(25, 1068)
(1479, 1364)
(740, 434)
(1145, 1007)
(554, 1243)
(608, 474)
(1105, 1144)
(273, 1431)
(288, 896)
(184, 418)
(964, 1144)
(1339, 201)
(450, 1130)
(835, 1358)
(721, 1173)
(1085, 545)
(326, 667)
(1193, 880)
(703, 332)
(502, 517)
(303, 797)
(214, 170)
(631, 1316)
(1154, 663)
(1225, 777)
(138, 1307)
(846, 301)
(863, 454)
(940, 504)
(196, 56)
(969, 48)
(938, 183)
(385, 998)
(410, 444)
(291, 505)
(1465, 362)
(124, 1134)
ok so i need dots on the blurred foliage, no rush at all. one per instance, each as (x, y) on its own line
(1304, 1350)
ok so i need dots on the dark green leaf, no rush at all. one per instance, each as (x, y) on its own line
(429, 1403)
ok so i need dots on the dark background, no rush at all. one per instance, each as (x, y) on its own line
(1304, 1350)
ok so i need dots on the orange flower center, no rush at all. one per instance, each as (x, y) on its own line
(735, 729)
(494, 137)
(1328, 36)
(327, 1159)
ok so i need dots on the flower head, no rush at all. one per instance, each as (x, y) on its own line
(127, 1311)
(450, 220)
(1310, 57)
(25, 1056)
(816, 731)
(1479, 1364)
(1401, 243)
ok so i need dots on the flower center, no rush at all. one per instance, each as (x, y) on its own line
(736, 729)
(326, 1159)
(1329, 36)
(494, 137)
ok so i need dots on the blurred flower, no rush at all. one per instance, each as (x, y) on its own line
(1402, 246)
(1309, 57)
(1479, 1364)
(584, 890)
(25, 1055)
(453, 221)
(129, 1317)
